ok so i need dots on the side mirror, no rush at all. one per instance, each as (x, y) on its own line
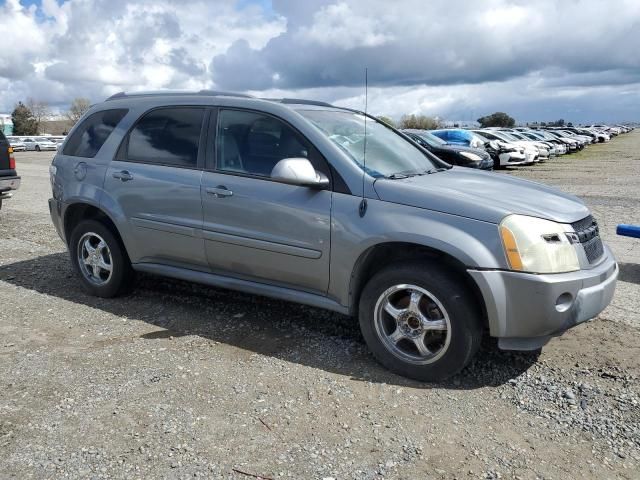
(299, 171)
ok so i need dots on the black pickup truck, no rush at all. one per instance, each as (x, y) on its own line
(9, 180)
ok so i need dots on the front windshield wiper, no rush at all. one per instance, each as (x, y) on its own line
(398, 176)
(433, 170)
(401, 175)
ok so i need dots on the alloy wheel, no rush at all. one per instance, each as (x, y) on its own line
(94, 258)
(412, 324)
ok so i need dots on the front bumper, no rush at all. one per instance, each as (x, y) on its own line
(512, 158)
(526, 310)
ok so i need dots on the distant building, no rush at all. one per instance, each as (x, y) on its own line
(6, 125)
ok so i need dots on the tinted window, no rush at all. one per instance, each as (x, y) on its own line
(89, 137)
(168, 136)
(253, 143)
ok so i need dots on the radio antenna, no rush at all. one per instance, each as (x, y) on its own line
(363, 203)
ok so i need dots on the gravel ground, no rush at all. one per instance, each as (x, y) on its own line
(182, 381)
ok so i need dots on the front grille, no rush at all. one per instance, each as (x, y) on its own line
(588, 235)
(594, 249)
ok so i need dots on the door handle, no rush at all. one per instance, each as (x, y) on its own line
(220, 191)
(123, 176)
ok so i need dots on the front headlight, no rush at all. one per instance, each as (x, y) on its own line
(538, 246)
(471, 156)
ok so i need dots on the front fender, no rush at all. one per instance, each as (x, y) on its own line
(475, 244)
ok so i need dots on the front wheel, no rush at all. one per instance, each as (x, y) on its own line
(420, 321)
(100, 260)
(37, 148)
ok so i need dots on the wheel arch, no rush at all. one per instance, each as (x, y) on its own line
(79, 211)
(378, 256)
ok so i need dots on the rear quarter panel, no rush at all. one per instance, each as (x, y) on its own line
(81, 180)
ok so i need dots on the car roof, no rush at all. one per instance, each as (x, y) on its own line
(167, 95)
(154, 99)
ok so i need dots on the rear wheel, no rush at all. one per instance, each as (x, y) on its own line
(100, 260)
(420, 321)
(37, 148)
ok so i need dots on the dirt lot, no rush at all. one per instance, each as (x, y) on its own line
(182, 381)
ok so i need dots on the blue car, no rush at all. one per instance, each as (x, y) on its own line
(458, 136)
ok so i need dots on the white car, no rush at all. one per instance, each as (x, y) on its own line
(531, 153)
(508, 154)
(17, 145)
(545, 149)
(39, 144)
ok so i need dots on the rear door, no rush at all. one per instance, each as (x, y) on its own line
(155, 183)
(256, 228)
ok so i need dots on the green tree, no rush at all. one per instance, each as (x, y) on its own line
(498, 119)
(557, 123)
(23, 120)
(420, 122)
(387, 120)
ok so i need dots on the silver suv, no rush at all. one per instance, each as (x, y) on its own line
(311, 203)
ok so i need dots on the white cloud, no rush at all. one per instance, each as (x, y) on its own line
(346, 29)
(94, 47)
(454, 58)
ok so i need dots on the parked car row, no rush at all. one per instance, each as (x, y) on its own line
(38, 144)
(489, 148)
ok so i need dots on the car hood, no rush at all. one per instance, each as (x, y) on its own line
(481, 195)
(460, 148)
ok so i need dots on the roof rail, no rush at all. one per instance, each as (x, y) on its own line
(208, 93)
(303, 102)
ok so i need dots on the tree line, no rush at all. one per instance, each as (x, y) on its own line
(497, 119)
(28, 117)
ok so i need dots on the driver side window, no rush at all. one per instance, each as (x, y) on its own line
(252, 143)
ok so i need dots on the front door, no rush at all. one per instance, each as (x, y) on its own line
(155, 183)
(258, 229)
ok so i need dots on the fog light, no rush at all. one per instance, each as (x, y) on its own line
(564, 302)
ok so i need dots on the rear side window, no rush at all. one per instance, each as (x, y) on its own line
(89, 137)
(168, 136)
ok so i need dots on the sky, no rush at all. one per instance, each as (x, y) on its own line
(541, 60)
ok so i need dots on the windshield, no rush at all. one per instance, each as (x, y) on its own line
(483, 139)
(430, 138)
(387, 152)
(493, 135)
(509, 136)
(518, 136)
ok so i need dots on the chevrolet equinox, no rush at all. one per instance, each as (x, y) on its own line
(325, 206)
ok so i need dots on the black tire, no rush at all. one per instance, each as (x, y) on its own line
(37, 148)
(122, 276)
(0, 204)
(459, 303)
